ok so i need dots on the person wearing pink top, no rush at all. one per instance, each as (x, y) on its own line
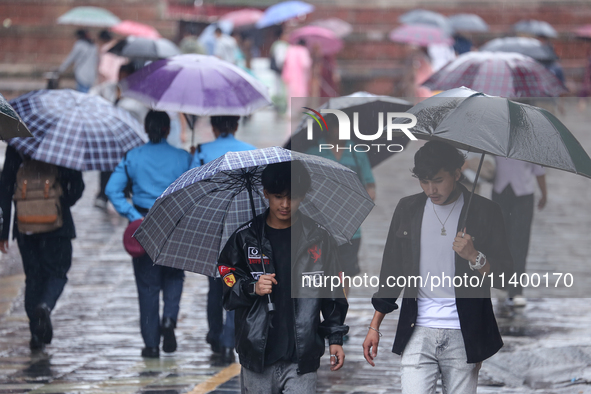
(513, 189)
(296, 71)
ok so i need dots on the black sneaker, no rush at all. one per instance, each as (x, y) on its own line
(150, 352)
(42, 323)
(169, 339)
(36, 345)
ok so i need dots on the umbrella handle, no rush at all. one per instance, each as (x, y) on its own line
(463, 226)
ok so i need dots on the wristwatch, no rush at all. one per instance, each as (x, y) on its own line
(479, 263)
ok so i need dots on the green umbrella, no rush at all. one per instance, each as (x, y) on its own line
(89, 16)
(11, 125)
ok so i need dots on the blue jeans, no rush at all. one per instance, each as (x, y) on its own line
(82, 88)
(220, 333)
(431, 352)
(150, 280)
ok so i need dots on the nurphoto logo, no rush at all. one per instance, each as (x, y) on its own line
(344, 130)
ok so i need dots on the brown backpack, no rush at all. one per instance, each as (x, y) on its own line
(37, 197)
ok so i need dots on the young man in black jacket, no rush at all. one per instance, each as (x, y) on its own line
(443, 329)
(281, 350)
(46, 256)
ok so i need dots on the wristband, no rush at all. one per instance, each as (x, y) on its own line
(375, 329)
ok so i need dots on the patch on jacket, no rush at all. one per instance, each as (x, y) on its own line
(254, 256)
(315, 253)
(224, 270)
(256, 274)
(230, 280)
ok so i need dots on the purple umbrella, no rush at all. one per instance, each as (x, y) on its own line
(421, 35)
(198, 85)
(498, 74)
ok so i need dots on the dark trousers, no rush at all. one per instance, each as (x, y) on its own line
(46, 262)
(220, 333)
(518, 213)
(104, 179)
(150, 280)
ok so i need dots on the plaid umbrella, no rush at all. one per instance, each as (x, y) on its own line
(524, 45)
(10, 124)
(497, 74)
(421, 35)
(191, 221)
(75, 130)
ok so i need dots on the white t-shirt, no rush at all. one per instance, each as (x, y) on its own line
(437, 305)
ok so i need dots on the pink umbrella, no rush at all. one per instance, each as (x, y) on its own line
(336, 25)
(131, 28)
(316, 36)
(245, 17)
(583, 31)
(421, 35)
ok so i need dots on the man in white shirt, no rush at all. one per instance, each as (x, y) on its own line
(446, 327)
(513, 189)
(225, 46)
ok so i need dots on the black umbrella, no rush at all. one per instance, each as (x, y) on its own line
(368, 106)
(484, 124)
(524, 45)
(145, 48)
(11, 125)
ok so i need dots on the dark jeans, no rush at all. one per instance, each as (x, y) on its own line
(220, 333)
(150, 280)
(46, 262)
(518, 213)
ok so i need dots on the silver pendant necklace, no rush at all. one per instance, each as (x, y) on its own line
(443, 232)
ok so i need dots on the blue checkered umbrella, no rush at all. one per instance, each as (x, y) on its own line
(191, 221)
(75, 130)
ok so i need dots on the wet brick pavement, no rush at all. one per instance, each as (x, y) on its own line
(96, 345)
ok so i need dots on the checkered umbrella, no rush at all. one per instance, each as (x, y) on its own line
(191, 221)
(75, 130)
(497, 74)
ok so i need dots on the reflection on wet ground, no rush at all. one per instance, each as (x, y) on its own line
(96, 346)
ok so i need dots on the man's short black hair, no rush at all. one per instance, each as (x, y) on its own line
(289, 177)
(435, 156)
(225, 124)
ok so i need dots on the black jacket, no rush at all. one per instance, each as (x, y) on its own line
(72, 188)
(316, 252)
(402, 256)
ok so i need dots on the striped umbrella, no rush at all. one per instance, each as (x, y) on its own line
(497, 74)
(75, 130)
(191, 221)
(421, 35)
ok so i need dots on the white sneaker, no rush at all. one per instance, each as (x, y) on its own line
(519, 301)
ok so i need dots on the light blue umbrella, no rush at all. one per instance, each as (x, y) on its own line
(467, 23)
(89, 16)
(207, 36)
(536, 28)
(426, 17)
(284, 11)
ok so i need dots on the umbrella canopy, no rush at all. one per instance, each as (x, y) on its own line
(11, 124)
(198, 85)
(317, 37)
(207, 36)
(132, 28)
(336, 25)
(421, 35)
(368, 106)
(535, 28)
(486, 124)
(425, 17)
(524, 45)
(467, 23)
(191, 221)
(245, 17)
(583, 31)
(76, 130)
(284, 11)
(89, 16)
(145, 48)
(498, 74)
